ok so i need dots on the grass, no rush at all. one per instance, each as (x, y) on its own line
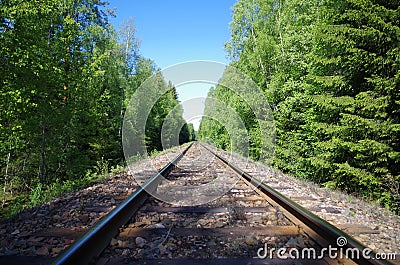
(42, 193)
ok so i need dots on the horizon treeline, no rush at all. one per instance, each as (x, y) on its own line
(66, 79)
(330, 71)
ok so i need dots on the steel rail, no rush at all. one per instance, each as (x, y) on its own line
(94, 241)
(318, 225)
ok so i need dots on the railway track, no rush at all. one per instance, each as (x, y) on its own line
(199, 226)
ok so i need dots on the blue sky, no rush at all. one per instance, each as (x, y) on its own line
(173, 31)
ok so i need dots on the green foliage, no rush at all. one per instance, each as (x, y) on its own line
(65, 82)
(36, 195)
(331, 71)
(165, 117)
(55, 53)
(188, 133)
(40, 193)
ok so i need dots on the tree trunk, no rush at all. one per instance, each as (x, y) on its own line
(6, 177)
(259, 56)
(43, 162)
(121, 114)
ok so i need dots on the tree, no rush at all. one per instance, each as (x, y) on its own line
(354, 115)
(330, 69)
(59, 87)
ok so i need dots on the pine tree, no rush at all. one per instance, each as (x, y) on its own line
(330, 70)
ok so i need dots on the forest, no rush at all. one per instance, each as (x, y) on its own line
(66, 78)
(330, 71)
